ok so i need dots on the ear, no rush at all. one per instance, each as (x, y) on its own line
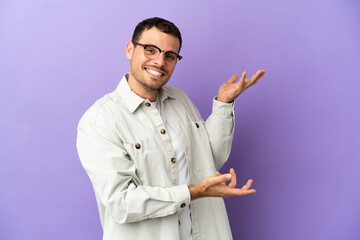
(129, 49)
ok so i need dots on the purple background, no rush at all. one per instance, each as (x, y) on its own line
(297, 130)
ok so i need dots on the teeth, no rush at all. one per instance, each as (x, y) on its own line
(154, 72)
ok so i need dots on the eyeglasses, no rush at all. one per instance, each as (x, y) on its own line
(153, 52)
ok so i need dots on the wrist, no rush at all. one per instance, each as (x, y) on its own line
(217, 98)
(194, 192)
(220, 99)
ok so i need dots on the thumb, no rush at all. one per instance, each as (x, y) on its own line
(219, 179)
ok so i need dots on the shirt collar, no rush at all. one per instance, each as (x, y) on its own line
(133, 101)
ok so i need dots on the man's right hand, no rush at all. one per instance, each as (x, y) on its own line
(215, 186)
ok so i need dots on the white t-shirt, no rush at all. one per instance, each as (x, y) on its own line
(184, 214)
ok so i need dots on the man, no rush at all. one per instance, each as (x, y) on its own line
(151, 158)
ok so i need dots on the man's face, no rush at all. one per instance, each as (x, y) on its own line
(151, 74)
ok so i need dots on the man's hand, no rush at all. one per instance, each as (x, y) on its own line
(230, 90)
(215, 186)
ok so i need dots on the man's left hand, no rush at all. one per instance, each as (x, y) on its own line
(230, 90)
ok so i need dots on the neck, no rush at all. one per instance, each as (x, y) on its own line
(142, 90)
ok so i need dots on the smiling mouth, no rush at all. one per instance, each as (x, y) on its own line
(154, 72)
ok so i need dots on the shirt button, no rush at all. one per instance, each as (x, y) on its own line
(162, 131)
(197, 125)
(147, 104)
(137, 146)
(179, 222)
(183, 205)
(173, 160)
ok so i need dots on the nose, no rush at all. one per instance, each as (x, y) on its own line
(160, 60)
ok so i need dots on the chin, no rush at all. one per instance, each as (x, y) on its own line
(154, 86)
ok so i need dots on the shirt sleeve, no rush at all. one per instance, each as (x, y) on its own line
(115, 182)
(220, 128)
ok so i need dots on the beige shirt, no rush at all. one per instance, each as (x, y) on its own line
(127, 153)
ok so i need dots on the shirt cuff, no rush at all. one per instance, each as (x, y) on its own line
(182, 194)
(223, 109)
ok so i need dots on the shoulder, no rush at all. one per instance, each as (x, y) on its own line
(102, 110)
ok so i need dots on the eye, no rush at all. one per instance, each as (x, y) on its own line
(171, 56)
(150, 50)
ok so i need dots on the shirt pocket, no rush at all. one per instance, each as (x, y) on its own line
(146, 158)
(200, 146)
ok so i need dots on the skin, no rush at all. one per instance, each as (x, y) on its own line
(141, 81)
(146, 84)
(231, 89)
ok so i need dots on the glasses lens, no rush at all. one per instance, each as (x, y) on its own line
(171, 57)
(151, 52)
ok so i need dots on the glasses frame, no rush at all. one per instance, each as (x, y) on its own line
(160, 51)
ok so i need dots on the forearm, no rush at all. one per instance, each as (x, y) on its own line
(145, 202)
(220, 128)
(127, 200)
(116, 183)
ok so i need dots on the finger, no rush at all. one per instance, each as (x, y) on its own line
(232, 184)
(251, 81)
(233, 78)
(219, 174)
(242, 79)
(239, 192)
(250, 191)
(261, 74)
(218, 179)
(247, 185)
(255, 78)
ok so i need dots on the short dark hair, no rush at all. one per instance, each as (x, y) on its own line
(163, 25)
